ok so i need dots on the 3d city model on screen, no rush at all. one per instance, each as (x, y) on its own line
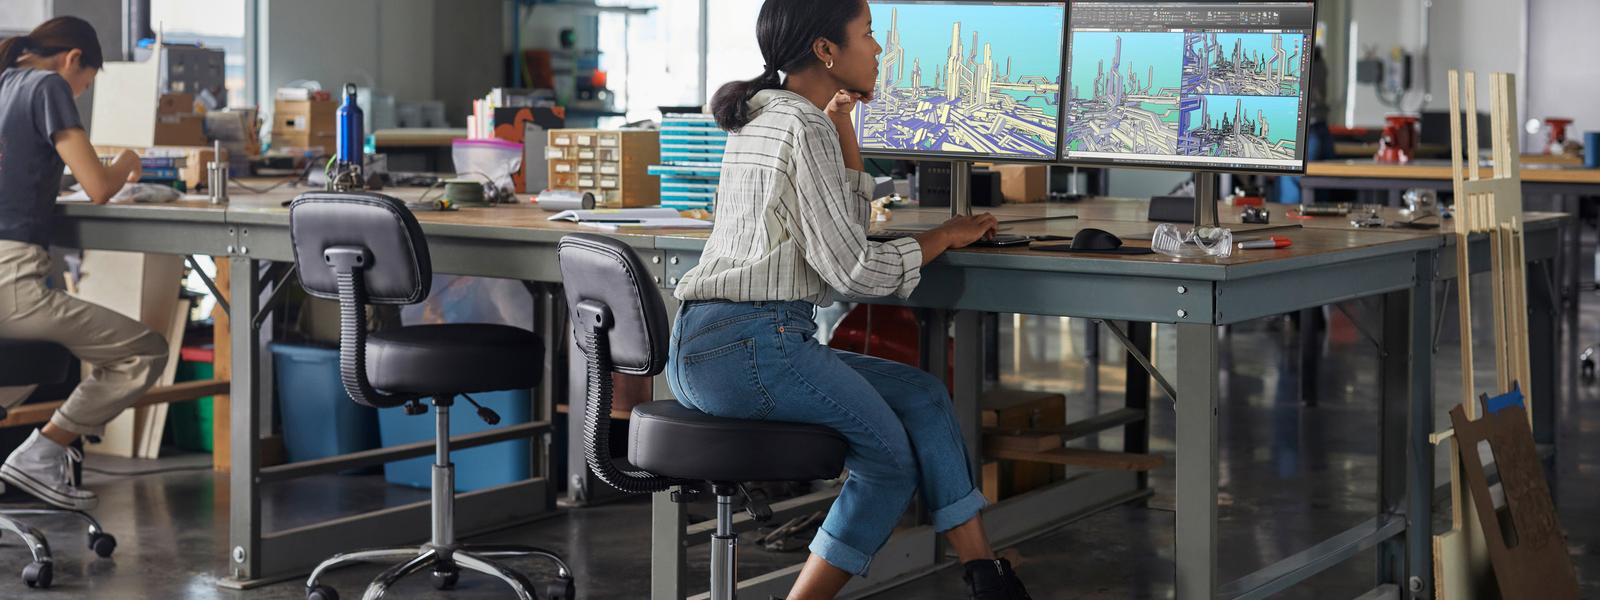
(1239, 126)
(1256, 64)
(1125, 92)
(1187, 83)
(980, 80)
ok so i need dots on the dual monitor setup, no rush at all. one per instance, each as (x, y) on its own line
(1203, 86)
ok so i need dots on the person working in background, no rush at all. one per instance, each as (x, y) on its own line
(791, 229)
(40, 131)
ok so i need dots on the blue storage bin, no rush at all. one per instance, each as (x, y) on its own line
(476, 468)
(319, 419)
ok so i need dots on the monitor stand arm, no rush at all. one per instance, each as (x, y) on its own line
(1205, 199)
(960, 189)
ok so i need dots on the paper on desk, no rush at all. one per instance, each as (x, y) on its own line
(82, 196)
(672, 223)
(615, 214)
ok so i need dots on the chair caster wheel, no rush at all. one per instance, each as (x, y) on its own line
(322, 592)
(445, 577)
(103, 544)
(38, 575)
(562, 589)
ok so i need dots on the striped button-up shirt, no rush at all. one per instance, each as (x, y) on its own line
(792, 221)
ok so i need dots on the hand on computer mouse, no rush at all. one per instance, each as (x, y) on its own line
(966, 231)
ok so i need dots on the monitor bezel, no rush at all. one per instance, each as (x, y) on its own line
(873, 153)
(1061, 145)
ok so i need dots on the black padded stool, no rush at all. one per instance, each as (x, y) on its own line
(25, 362)
(363, 249)
(621, 324)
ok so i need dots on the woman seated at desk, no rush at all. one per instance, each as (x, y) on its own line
(791, 229)
(40, 132)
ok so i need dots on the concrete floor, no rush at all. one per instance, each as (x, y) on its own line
(1291, 475)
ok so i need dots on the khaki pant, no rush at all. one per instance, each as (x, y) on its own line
(124, 358)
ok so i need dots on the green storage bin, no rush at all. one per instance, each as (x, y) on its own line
(190, 422)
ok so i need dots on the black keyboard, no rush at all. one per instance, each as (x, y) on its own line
(1000, 241)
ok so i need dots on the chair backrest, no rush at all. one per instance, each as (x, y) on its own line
(605, 272)
(620, 324)
(359, 248)
(398, 271)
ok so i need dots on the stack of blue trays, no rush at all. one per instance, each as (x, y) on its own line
(691, 161)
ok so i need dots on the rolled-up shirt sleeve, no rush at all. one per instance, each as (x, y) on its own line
(835, 243)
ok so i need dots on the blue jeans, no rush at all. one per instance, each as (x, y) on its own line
(760, 360)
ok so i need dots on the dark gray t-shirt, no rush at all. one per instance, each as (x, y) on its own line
(34, 106)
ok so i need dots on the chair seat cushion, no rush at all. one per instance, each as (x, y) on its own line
(428, 360)
(668, 439)
(29, 362)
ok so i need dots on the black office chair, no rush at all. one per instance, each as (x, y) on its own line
(367, 249)
(42, 363)
(621, 324)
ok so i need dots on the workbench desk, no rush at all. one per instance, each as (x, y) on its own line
(1564, 183)
(1325, 266)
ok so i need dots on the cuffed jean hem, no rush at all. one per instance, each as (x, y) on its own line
(958, 512)
(840, 555)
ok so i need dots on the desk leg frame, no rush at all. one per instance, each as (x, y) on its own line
(244, 509)
(1197, 460)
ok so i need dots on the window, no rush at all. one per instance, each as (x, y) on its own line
(216, 24)
(651, 54)
(733, 54)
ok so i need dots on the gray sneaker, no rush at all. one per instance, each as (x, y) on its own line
(43, 468)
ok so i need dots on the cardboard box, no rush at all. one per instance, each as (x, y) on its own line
(1024, 184)
(181, 129)
(175, 104)
(305, 117)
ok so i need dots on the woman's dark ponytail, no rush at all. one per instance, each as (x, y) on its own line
(61, 34)
(11, 51)
(731, 105)
(785, 31)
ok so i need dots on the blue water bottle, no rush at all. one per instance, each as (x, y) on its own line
(351, 136)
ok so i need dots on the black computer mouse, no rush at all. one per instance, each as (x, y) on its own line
(1095, 239)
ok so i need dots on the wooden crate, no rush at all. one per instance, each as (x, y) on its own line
(1020, 410)
(611, 164)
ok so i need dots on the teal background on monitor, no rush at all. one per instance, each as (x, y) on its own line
(1029, 35)
(1281, 112)
(1140, 50)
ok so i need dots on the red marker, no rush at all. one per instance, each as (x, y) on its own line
(1272, 243)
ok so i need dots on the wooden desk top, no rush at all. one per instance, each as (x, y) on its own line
(1545, 172)
(1099, 210)
(526, 223)
(417, 138)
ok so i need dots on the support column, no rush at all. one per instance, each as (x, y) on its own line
(244, 515)
(1197, 459)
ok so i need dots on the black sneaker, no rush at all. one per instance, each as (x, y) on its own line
(993, 580)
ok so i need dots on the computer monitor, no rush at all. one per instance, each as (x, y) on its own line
(966, 80)
(1216, 86)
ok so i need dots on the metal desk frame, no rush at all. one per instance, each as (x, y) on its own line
(1565, 270)
(1197, 298)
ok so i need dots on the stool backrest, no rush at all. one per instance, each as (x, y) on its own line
(359, 249)
(399, 270)
(620, 324)
(606, 272)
